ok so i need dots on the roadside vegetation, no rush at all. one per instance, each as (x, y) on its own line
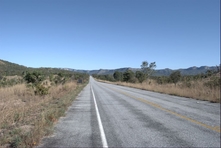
(204, 86)
(32, 100)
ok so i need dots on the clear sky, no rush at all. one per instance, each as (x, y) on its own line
(109, 34)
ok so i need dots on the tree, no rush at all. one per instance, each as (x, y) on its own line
(209, 73)
(128, 75)
(117, 76)
(175, 76)
(31, 77)
(159, 80)
(148, 69)
(140, 76)
(109, 78)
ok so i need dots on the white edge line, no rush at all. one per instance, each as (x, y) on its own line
(103, 137)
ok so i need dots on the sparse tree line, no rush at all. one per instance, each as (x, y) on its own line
(211, 78)
(147, 71)
(41, 80)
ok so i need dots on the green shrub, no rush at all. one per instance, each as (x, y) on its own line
(41, 90)
(128, 75)
(175, 76)
(140, 76)
(16, 141)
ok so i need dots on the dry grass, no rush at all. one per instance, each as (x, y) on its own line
(13, 77)
(197, 90)
(25, 117)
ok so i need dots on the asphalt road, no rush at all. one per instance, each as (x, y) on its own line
(105, 115)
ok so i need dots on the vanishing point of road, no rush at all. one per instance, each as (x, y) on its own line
(106, 115)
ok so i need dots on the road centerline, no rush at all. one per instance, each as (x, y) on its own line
(103, 136)
(214, 128)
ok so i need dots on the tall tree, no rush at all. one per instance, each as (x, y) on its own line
(148, 69)
(117, 76)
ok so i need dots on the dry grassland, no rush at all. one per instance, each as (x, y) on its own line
(25, 118)
(197, 90)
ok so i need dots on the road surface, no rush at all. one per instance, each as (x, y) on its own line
(106, 115)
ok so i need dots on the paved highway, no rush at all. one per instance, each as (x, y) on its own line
(106, 115)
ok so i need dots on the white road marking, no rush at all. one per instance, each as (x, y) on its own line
(103, 137)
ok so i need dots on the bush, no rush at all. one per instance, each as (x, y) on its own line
(34, 77)
(214, 83)
(118, 76)
(159, 80)
(133, 80)
(128, 75)
(41, 90)
(140, 76)
(175, 76)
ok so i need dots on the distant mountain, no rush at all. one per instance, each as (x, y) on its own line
(8, 68)
(189, 71)
(162, 72)
(196, 70)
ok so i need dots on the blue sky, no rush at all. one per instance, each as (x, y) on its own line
(109, 34)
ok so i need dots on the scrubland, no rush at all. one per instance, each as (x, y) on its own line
(27, 116)
(195, 89)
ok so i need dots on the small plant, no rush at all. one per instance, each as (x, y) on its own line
(16, 141)
(17, 117)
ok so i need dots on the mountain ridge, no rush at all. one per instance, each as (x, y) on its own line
(15, 68)
(160, 72)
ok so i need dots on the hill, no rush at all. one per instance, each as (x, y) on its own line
(162, 72)
(10, 69)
